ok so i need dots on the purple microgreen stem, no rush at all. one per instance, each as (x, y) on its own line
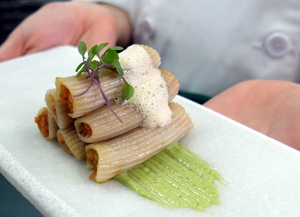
(109, 60)
(84, 92)
(108, 101)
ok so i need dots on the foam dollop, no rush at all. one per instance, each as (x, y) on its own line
(151, 93)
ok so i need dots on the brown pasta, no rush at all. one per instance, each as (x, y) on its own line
(59, 109)
(101, 124)
(71, 143)
(67, 88)
(112, 157)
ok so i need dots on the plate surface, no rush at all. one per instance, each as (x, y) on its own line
(262, 175)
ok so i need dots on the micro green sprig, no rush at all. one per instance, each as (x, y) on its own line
(109, 60)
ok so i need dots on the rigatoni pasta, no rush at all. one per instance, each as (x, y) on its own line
(101, 124)
(172, 83)
(119, 123)
(59, 109)
(71, 143)
(46, 123)
(87, 128)
(155, 57)
(70, 88)
(114, 156)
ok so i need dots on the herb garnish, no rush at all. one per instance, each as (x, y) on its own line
(94, 68)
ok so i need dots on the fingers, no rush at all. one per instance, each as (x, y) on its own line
(65, 23)
(12, 47)
(269, 107)
(93, 36)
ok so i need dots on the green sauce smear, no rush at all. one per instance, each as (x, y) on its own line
(175, 177)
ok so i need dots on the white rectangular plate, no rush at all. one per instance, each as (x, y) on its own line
(262, 175)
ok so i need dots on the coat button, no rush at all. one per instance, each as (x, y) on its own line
(277, 45)
(147, 26)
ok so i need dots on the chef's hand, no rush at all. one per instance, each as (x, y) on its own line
(67, 23)
(270, 107)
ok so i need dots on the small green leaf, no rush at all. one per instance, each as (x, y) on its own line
(91, 53)
(116, 64)
(80, 72)
(128, 91)
(110, 56)
(82, 48)
(114, 54)
(115, 48)
(93, 64)
(79, 66)
(100, 48)
(107, 63)
(91, 56)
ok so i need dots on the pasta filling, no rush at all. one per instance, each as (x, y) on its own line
(85, 130)
(42, 121)
(67, 97)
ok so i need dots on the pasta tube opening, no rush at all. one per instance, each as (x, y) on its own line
(42, 121)
(66, 96)
(85, 130)
(46, 123)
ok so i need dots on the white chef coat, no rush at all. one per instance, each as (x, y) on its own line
(211, 45)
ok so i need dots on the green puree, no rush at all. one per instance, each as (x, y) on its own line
(175, 177)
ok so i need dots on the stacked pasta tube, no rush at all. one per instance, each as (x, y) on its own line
(85, 127)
